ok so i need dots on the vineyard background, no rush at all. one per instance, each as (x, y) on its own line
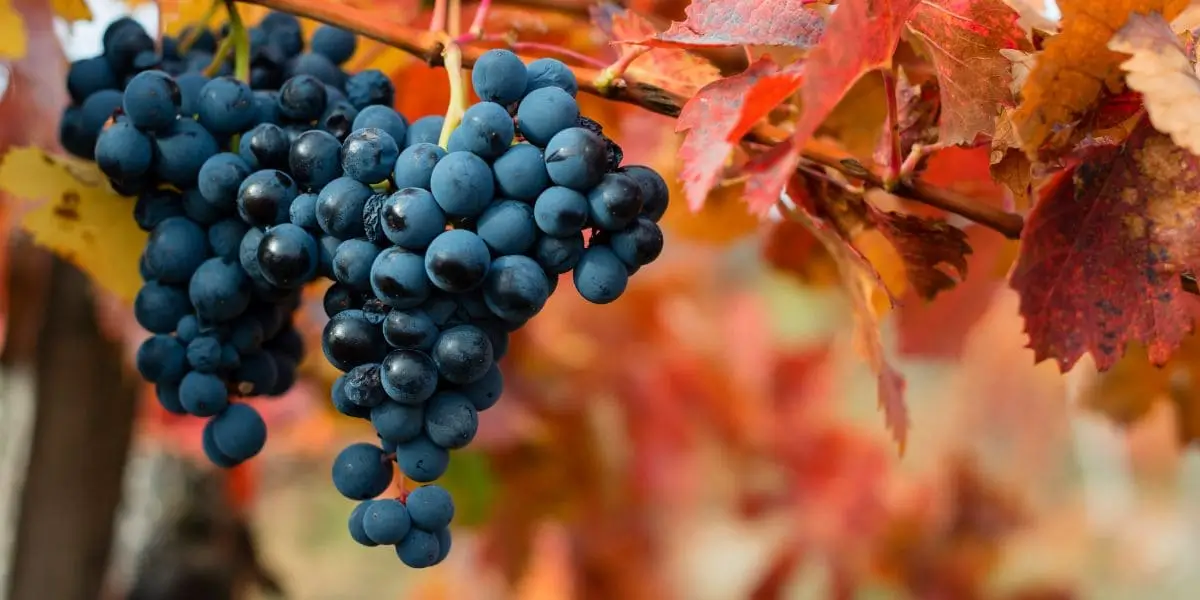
(713, 435)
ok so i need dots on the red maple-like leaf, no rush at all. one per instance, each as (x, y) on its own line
(725, 23)
(964, 38)
(861, 36)
(1103, 251)
(718, 116)
(934, 252)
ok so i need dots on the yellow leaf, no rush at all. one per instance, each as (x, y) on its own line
(12, 32)
(77, 216)
(1161, 71)
(71, 10)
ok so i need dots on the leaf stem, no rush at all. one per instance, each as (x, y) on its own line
(452, 55)
(612, 75)
(198, 27)
(437, 23)
(241, 42)
(429, 46)
(892, 129)
(219, 57)
(477, 23)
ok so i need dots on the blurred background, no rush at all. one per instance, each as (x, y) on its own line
(713, 435)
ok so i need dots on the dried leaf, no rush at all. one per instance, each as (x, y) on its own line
(1103, 250)
(1161, 71)
(860, 37)
(71, 10)
(758, 22)
(929, 249)
(965, 38)
(671, 69)
(1129, 391)
(77, 216)
(13, 40)
(1075, 66)
(1033, 16)
(719, 115)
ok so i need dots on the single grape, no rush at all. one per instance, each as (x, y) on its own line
(340, 207)
(338, 119)
(397, 423)
(123, 152)
(654, 192)
(302, 98)
(168, 398)
(507, 227)
(303, 212)
(240, 432)
(387, 119)
(414, 167)
(316, 65)
(190, 85)
(430, 507)
(175, 249)
(421, 460)
(457, 261)
(158, 307)
(484, 392)
(339, 297)
(425, 130)
(463, 354)
(152, 100)
(549, 72)
(266, 105)
(363, 387)
(615, 202)
(544, 112)
(337, 44)
(370, 87)
(444, 542)
(287, 256)
(349, 340)
(74, 136)
(226, 106)
(561, 211)
(247, 334)
(451, 421)
(409, 376)
(211, 452)
(411, 218)
(516, 288)
(361, 471)
(576, 158)
(265, 146)
(279, 20)
(398, 278)
(200, 210)
(88, 76)
(419, 549)
(220, 178)
(600, 277)
(161, 359)
(181, 151)
(342, 403)
(265, 197)
(219, 290)
(314, 159)
(124, 45)
(486, 130)
(411, 329)
(99, 108)
(369, 155)
(258, 373)
(521, 172)
(203, 394)
(499, 76)
(225, 237)
(557, 255)
(386, 522)
(204, 354)
(352, 263)
(638, 244)
(327, 246)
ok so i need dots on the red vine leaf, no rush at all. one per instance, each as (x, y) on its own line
(964, 38)
(720, 113)
(671, 69)
(1103, 251)
(931, 249)
(861, 36)
(762, 23)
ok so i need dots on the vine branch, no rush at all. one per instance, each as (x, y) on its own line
(428, 46)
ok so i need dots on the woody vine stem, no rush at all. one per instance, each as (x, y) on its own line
(615, 84)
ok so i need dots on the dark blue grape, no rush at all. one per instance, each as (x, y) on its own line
(248, 255)
(175, 248)
(226, 106)
(363, 387)
(484, 392)
(219, 290)
(507, 227)
(289, 41)
(266, 106)
(74, 137)
(600, 277)
(220, 178)
(386, 522)
(638, 244)
(457, 261)
(576, 158)
(240, 432)
(557, 255)
(369, 88)
(544, 112)
(203, 394)
(387, 119)
(352, 263)
(397, 422)
(316, 65)
(422, 460)
(98, 108)
(214, 454)
(549, 72)
(204, 354)
(123, 47)
(265, 197)
(521, 173)
(327, 246)
(161, 359)
(123, 152)
(411, 218)
(430, 506)
(486, 130)
(279, 20)
(315, 159)
(338, 119)
(302, 98)
(426, 129)
(451, 421)
(408, 376)
(462, 184)
(463, 354)
(410, 329)
(303, 212)
(654, 192)
(190, 85)
(561, 212)
(499, 76)
(415, 166)
(168, 398)
(146, 60)
(287, 256)
(342, 403)
(257, 374)
(337, 44)
(419, 549)
(152, 100)
(398, 278)
(516, 288)
(179, 154)
(357, 532)
(225, 237)
(198, 209)
(361, 471)
(266, 146)
(340, 206)
(158, 307)
(188, 328)
(340, 297)
(369, 155)
(614, 203)
(349, 340)
(444, 542)
(247, 334)
(88, 76)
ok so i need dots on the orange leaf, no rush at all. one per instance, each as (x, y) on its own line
(763, 22)
(671, 69)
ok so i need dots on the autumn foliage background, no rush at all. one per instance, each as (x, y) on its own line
(852, 389)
